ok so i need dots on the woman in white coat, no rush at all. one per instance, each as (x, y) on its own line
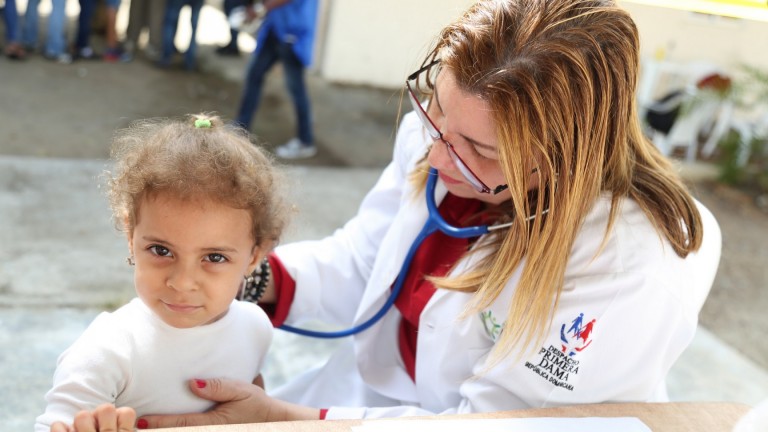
(588, 293)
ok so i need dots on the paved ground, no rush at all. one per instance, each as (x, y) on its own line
(61, 261)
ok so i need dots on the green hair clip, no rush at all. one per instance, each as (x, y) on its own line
(203, 124)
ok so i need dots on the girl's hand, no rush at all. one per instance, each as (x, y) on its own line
(239, 402)
(104, 418)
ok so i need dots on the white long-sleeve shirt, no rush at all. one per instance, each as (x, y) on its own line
(132, 358)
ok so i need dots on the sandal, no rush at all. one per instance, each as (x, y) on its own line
(15, 51)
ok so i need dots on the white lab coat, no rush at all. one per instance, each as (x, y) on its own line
(643, 298)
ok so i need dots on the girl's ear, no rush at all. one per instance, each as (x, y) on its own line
(128, 233)
(256, 258)
(130, 244)
(259, 253)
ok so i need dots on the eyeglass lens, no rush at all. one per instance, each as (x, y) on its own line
(432, 130)
(435, 134)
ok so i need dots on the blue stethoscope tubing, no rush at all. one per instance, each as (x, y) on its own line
(434, 222)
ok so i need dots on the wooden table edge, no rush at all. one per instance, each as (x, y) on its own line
(658, 416)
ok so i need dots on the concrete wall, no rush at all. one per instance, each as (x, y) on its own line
(683, 36)
(379, 43)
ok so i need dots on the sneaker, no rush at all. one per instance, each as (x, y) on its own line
(126, 57)
(86, 53)
(295, 149)
(15, 51)
(112, 55)
(63, 58)
(228, 50)
(152, 53)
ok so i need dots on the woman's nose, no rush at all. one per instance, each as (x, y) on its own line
(438, 156)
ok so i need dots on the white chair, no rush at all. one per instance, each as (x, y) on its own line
(746, 129)
(697, 114)
(694, 120)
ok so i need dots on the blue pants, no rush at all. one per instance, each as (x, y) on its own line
(11, 22)
(56, 42)
(87, 8)
(171, 22)
(266, 57)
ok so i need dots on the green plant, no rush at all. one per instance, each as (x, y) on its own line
(758, 166)
(731, 172)
(750, 170)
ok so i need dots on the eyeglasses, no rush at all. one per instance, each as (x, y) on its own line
(437, 135)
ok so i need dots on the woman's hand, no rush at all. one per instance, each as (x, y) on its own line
(239, 402)
(104, 418)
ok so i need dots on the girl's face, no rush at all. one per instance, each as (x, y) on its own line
(190, 257)
(466, 122)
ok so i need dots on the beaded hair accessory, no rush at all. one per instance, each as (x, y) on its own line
(255, 284)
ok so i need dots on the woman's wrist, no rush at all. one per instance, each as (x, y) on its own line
(291, 412)
(256, 283)
(270, 295)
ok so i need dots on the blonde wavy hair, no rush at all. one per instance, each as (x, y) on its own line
(192, 158)
(560, 77)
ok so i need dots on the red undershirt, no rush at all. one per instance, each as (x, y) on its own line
(435, 257)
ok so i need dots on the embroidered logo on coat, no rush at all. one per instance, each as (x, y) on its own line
(559, 364)
(576, 339)
(492, 328)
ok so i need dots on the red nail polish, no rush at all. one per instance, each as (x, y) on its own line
(142, 424)
(200, 383)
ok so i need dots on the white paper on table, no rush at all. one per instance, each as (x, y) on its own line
(536, 424)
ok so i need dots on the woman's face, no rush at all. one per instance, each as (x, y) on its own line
(466, 122)
(190, 257)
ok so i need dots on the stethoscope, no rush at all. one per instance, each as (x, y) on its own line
(434, 222)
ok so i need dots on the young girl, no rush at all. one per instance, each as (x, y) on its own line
(200, 208)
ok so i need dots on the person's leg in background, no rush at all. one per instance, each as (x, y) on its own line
(262, 61)
(138, 20)
(14, 50)
(114, 52)
(170, 23)
(231, 48)
(302, 146)
(56, 44)
(29, 27)
(156, 16)
(190, 55)
(83, 48)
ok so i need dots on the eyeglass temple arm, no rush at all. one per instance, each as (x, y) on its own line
(413, 76)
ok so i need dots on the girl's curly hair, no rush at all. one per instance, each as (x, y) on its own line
(196, 157)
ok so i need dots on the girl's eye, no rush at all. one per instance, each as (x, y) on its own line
(216, 258)
(160, 251)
